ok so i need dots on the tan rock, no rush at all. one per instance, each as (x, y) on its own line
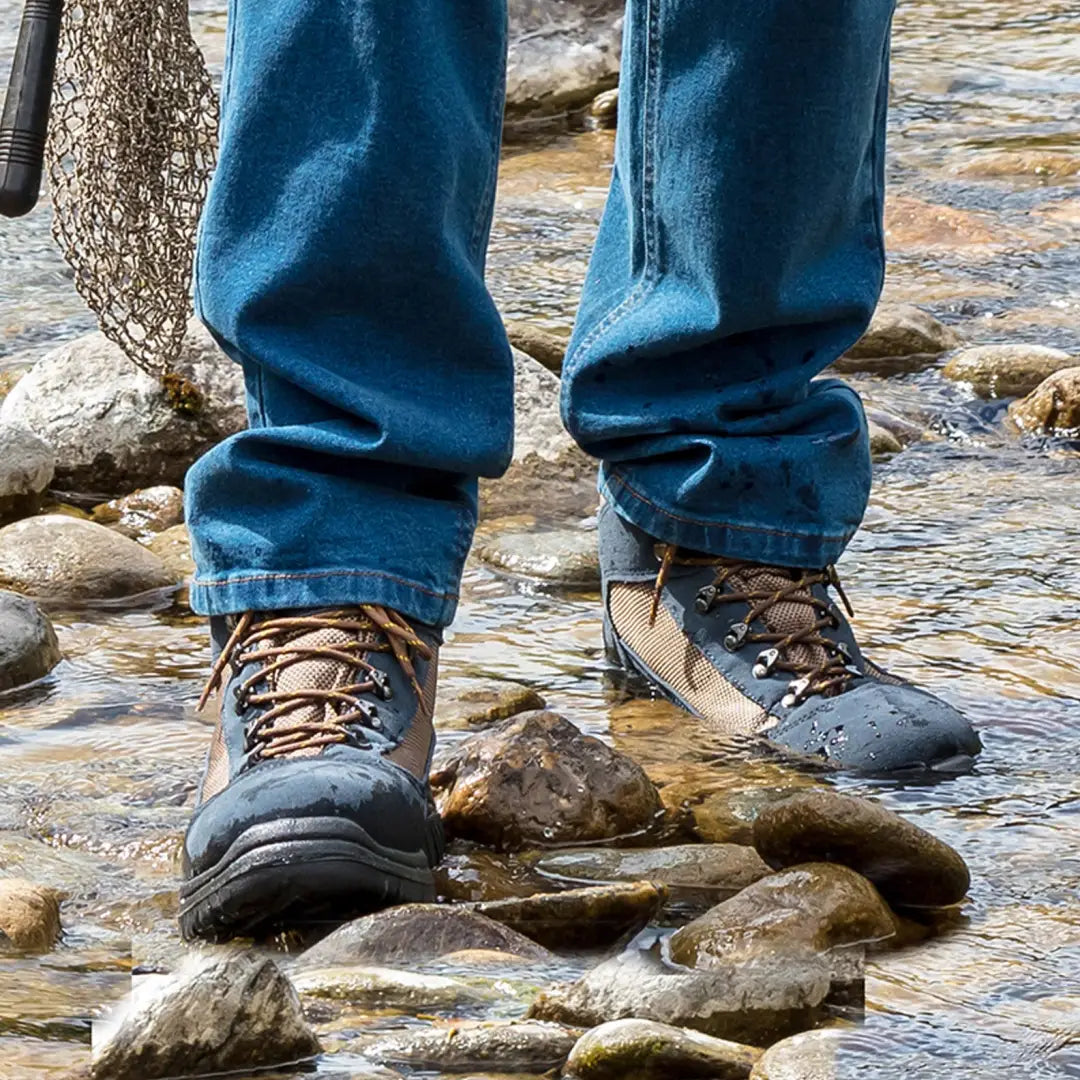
(566, 556)
(883, 443)
(1053, 408)
(901, 337)
(543, 346)
(481, 702)
(173, 548)
(143, 514)
(1001, 371)
(29, 916)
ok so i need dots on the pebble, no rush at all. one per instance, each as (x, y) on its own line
(481, 702)
(1005, 371)
(519, 1046)
(224, 1013)
(143, 514)
(901, 337)
(29, 916)
(27, 465)
(112, 426)
(910, 867)
(62, 559)
(536, 779)
(29, 649)
(566, 557)
(1053, 408)
(646, 1050)
(883, 443)
(604, 111)
(580, 918)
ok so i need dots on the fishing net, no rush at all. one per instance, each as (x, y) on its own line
(132, 144)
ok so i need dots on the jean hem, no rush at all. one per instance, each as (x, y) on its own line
(734, 540)
(283, 591)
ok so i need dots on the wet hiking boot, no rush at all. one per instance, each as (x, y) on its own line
(315, 804)
(764, 650)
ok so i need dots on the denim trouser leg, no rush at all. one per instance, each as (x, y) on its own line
(341, 262)
(740, 253)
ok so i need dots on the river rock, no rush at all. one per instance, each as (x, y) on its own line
(415, 933)
(749, 1003)
(143, 514)
(389, 988)
(114, 428)
(562, 53)
(909, 866)
(474, 874)
(536, 779)
(814, 907)
(29, 916)
(720, 868)
(173, 548)
(28, 646)
(904, 431)
(1003, 371)
(27, 464)
(481, 702)
(604, 111)
(549, 470)
(543, 346)
(567, 557)
(810, 1055)
(226, 1013)
(1053, 408)
(529, 1046)
(883, 443)
(901, 337)
(579, 918)
(61, 559)
(645, 1050)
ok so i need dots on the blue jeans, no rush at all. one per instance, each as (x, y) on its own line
(341, 262)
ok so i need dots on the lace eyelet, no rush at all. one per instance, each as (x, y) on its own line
(766, 661)
(796, 693)
(736, 636)
(706, 597)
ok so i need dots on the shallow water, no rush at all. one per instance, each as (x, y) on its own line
(965, 577)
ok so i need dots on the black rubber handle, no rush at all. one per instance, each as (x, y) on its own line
(26, 109)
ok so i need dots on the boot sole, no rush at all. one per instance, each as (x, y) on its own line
(301, 873)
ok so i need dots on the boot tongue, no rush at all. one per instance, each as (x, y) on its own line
(790, 615)
(316, 673)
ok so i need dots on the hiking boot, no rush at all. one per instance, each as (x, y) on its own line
(763, 650)
(315, 805)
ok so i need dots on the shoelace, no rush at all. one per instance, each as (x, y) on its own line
(377, 630)
(828, 678)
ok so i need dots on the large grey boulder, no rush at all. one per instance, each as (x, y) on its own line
(113, 427)
(27, 465)
(28, 646)
(562, 54)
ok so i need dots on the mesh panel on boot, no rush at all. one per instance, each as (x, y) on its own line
(217, 766)
(414, 750)
(787, 617)
(666, 651)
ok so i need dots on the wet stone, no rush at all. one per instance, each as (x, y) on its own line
(717, 868)
(883, 443)
(536, 780)
(27, 464)
(813, 907)
(580, 918)
(28, 646)
(810, 1055)
(645, 1050)
(904, 431)
(528, 1046)
(901, 337)
(482, 702)
(543, 346)
(604, 111)
(173, 548)
(477, 874)
(29, 916)
(413, 934)
(566, 557)
(389, 988)
(753, 1003)
(910, 867)
(1053, 408)
(1004, 371)
(56, 558)
(143, 514)
(226, 1013)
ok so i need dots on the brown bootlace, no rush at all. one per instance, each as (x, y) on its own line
(827, 678)
(378, 630)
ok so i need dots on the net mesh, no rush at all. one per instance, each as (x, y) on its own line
(132, 144)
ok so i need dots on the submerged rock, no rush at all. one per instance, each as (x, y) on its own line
(811, 908)
(646, 1050)
(143, 514)
(28, 646)
(536, 779)
(476, 874)
(567, 557)
(483, 702)
(1002, 371)
(1053, 408)
(723, 868)
(115, 428)
(901, 337)
(29, 916)
(580, 918)
(227, 1013)
(62, 559)
(389, 988)
(754, 1003)
(415, 933)
(27, 464)
(528, 1046)
(810, 1055)
(908, 865)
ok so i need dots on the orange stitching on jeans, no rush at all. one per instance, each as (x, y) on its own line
(203, 584)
